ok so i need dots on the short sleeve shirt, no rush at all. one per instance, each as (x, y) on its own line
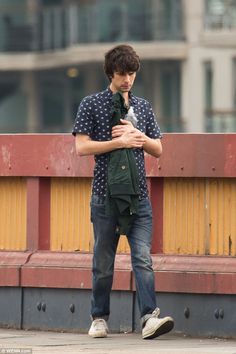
(94, 119)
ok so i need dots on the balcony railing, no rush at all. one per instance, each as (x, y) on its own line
(220, 22)
(220, 15)
(57, 27)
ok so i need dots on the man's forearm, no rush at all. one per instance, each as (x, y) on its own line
(152, 146)
(92, 147)
(86, 146)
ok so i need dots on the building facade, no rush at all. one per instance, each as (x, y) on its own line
(51, 55)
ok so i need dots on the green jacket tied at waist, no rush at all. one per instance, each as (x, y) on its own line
(122, 179)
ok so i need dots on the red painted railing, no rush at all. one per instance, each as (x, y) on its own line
(40, 157)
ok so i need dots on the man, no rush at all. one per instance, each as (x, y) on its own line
(94, 136)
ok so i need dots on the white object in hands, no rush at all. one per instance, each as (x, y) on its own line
(131, 117)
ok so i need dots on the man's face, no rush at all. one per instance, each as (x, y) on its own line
(122, 82)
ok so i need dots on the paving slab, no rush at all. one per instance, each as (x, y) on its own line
(36, 342)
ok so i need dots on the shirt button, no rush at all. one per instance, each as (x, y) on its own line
(123, 167)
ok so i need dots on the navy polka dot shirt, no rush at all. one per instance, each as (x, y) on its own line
(93, 119)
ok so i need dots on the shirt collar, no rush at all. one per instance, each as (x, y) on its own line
(132, 98)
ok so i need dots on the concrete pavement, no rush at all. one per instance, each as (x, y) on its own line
(20, 341)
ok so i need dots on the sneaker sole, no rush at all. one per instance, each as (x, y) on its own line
(98, 335)
(164, 328)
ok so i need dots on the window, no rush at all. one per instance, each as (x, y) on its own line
(168, 20)
(217, 121)
(52, 25)
(16, 31)
(13, 104)
(170, 97)
(220, 14)
(62, 90)
(52, 95)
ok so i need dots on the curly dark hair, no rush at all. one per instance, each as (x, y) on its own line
(122, 59)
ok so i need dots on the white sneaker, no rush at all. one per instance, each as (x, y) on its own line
(156, 326)
(98, 328)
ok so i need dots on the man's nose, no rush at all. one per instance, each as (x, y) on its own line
(127, 77)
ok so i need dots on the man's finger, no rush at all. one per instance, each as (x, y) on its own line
(123, 121)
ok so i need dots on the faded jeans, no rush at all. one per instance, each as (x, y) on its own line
(105, 245)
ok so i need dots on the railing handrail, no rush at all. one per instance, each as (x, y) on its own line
(54, 155)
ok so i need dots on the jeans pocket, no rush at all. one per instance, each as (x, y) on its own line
(97, 207)
(97, 200)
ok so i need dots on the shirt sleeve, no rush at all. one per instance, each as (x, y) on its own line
(152, 128)
(84, 118)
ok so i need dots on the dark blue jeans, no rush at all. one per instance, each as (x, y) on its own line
(105, 245)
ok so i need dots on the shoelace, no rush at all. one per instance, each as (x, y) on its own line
(156, 312)
(99, 323)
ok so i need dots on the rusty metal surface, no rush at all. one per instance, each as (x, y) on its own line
(186, 155)
(38, 213)
(71, 229)
(199, 216)
(198, 155)
(68, 270)
(42, 155)
(189, 274)
(10, 266)
(181, 274)
(209, 230)
(13, 213)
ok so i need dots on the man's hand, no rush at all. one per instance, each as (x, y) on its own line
(132, 139)
(129, 136)
(120, 129)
